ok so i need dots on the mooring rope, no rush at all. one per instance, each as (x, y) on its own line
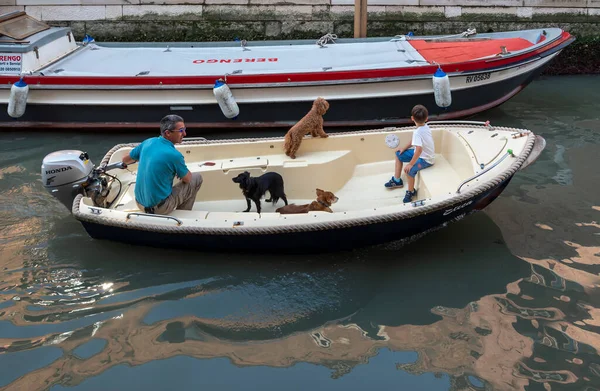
(325, 39)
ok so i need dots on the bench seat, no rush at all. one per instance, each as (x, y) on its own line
(438, 180)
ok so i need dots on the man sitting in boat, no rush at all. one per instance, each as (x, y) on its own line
(418, 158)
(160, 161)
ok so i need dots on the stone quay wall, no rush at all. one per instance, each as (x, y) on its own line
(212, 20)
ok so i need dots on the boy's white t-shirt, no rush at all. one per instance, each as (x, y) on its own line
(422, 138)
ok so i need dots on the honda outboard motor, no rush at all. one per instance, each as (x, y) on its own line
(67, 173)
(64, 174)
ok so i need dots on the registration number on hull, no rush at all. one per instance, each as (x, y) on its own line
(479, 77)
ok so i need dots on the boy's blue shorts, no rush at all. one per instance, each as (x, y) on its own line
(406, 157)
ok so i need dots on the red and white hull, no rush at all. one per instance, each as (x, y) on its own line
(367, 81)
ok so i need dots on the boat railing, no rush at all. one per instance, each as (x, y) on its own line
(179, 222)
(508, 153)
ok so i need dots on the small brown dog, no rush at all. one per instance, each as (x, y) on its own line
(323, 202)
(311, 123)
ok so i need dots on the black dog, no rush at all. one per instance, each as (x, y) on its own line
(253, 188)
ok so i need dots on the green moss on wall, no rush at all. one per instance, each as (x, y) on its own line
(406, 17)
(564, 17)
(580, 57)
(164, 31)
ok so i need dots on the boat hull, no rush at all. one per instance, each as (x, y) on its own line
(379, 103)
(336, 239)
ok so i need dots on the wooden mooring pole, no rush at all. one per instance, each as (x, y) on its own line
(360, 18)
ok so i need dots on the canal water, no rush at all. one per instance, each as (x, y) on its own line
(506, 299)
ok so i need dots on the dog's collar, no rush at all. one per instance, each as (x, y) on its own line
(323, 203)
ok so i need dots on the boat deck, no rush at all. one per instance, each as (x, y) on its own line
(100, 60)
(363, 190)
(218, 59)
(460, 51)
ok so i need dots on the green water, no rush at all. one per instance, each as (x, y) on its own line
(506, 299)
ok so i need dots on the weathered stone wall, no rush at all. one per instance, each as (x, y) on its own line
(170, 20)
(201, 20)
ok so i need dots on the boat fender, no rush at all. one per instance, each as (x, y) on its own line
(441, 88)
(225, 99)
(17, 101)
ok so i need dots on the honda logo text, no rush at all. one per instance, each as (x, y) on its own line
(57, 170)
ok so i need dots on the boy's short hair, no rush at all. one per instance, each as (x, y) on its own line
(420, 113)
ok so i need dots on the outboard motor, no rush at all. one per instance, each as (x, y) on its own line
(65, 174)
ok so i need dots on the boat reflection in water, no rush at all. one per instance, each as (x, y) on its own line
(467, 316)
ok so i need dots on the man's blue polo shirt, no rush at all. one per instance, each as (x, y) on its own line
(159, 162)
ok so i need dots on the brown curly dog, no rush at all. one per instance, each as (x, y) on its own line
(311, 123)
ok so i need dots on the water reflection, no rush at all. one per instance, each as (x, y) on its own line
(447, 304)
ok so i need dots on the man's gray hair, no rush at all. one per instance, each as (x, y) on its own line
(168, 122)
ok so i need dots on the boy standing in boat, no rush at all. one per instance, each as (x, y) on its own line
(422, 156)
(160, 162)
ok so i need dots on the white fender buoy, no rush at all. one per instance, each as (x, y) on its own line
(441, 88)
(17, 101)
(225, 99)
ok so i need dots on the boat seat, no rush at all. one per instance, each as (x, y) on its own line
(269, 161)
(439, 179)
(243, 163)
(306, 158)
(334, 170)
(127, 201)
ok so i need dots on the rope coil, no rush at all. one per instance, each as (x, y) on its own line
(469, 32)
(325, 39)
